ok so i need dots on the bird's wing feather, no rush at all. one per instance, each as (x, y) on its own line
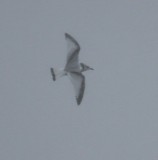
(78, 81)
(73, 47)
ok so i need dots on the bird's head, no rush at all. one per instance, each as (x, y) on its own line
(84, 67)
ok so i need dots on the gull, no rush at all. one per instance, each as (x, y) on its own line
(73, 69)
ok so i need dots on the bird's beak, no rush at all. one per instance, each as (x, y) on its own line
(91, 68)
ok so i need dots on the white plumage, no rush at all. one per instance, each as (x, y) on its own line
(73, 68)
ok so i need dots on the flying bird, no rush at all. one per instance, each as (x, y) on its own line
(73, 69)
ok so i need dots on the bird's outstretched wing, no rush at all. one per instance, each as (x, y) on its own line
(73, 47)
(78, 81)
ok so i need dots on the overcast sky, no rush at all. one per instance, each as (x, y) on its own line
(118, 117)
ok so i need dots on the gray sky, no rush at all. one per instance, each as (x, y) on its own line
(118, 117)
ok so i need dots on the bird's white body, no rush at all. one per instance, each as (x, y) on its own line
(73, 68)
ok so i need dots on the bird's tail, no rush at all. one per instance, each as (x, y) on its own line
(57, 73)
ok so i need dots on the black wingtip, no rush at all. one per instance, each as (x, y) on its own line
(78, 101)
(67, 35)
(53, 74)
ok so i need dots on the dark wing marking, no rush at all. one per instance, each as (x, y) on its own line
(73, 47)
(80, 96)
(78, 81)
(53, 74)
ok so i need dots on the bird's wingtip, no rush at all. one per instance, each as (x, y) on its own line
(78, 101)
(66, 34)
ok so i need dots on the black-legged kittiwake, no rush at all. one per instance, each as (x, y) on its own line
(73, 68)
